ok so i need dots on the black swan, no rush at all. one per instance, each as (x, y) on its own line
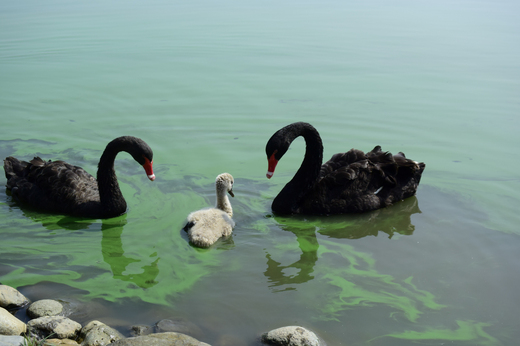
(206, 226)
(350, 182)
(62, 188)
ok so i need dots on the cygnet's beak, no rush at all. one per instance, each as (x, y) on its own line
(231, 193)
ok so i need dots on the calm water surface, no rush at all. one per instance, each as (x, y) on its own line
(206, 84)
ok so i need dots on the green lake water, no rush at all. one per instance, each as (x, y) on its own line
(206, 84)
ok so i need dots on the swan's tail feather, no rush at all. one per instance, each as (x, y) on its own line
(16, 172)
(14, 167)
(38, 162)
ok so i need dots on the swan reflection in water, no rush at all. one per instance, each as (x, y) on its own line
(111, 245)
(391, 220)
(113, 255)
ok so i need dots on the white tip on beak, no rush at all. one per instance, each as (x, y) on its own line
(151, 177)
(269, 174)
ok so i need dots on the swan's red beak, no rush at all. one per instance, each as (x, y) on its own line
(272, 165)
(148, 169)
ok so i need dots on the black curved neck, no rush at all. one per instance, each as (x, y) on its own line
(288, 199)
(110, 196)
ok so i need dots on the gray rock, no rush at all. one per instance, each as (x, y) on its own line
(160, 339)
(11, 340)
(10, 298)
(291, 336)
(97, 333)
(10, 325)
(178, 326)
(44, 307)
(58, 327)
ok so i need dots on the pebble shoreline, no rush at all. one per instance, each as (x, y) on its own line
(48, 321)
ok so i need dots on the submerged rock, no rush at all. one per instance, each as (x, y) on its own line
(10, 325)
(178, 326)
(291, 336)
(140, 329)
(230, 340)
(160, 339)
(54, 326)
(97, 333)
(44, 307)
(10, 298)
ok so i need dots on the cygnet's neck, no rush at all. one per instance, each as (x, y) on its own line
(223, 202)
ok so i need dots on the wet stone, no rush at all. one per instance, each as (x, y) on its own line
(54, 326)
(160, 339)
(97, 333)
(10, 298)
(44, 307)
(10, 325)
(11, 340)
(291, 336)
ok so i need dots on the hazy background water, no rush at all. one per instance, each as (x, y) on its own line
(206, 84)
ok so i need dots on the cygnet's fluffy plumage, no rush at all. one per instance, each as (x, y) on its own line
(206, 226)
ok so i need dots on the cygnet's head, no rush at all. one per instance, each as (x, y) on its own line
(224, 182)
